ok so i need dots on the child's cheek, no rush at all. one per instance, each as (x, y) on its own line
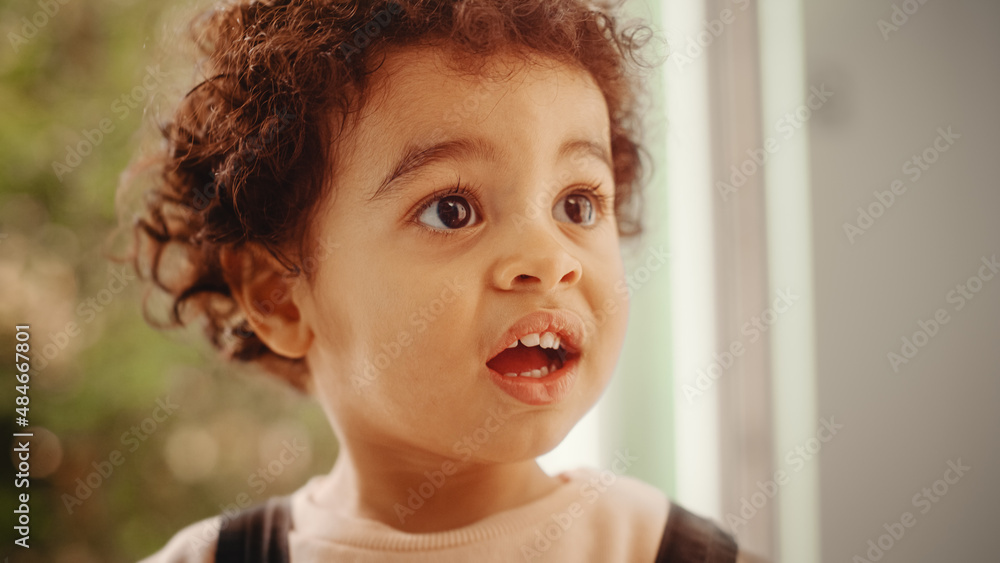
(612, 307)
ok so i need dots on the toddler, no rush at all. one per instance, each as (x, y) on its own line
(413, 211)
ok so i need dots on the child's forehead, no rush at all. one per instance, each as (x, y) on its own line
(421, 101)
(432, 90)
(436, 77)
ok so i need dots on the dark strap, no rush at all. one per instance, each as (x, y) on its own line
(258, 534)
(688, 538)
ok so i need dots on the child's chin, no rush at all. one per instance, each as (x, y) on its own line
(527, 445)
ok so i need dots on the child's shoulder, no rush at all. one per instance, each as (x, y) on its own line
(630, 513)
(639, 511)
(613, 490)
(193, 544)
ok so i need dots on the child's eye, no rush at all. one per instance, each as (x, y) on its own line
(579, 208)
(449, 212)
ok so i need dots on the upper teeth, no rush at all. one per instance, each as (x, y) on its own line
(543, 339)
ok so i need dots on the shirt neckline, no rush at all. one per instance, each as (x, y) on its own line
(315, 521)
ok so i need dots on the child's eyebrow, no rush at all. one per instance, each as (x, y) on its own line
(416, 157)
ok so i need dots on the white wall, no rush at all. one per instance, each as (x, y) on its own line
(938, 70)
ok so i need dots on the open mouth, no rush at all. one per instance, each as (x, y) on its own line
(533, 355)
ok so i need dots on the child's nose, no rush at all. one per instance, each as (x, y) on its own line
(534, 259)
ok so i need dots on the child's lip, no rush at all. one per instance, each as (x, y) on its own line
(546, 390)
(563, 322)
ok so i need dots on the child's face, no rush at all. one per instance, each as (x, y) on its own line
(423, 289)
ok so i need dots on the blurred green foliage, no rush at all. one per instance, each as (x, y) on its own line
(63, 79)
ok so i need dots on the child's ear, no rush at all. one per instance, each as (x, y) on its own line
(262, 288)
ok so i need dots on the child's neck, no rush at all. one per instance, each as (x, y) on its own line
(376, 484)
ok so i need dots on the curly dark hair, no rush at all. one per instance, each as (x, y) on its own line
(247, 152)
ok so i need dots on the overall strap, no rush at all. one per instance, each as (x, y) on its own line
(688, 538)
(258, 534)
